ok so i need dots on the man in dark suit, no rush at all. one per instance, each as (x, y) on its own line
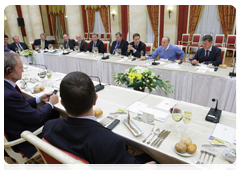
(42, 42)
(136, 47)
(82, 44)
(119, 43)
(81, 134)
(68, 43)
(20, 46)
(6, 45)
(96, 43)
(209, 54)
(20, 113)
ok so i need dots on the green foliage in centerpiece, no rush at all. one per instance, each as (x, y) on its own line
(143, 78)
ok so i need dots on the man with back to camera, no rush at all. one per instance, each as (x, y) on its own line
(82, 44)
(209, 54)
(20, 46)
(20, 113)
(119, 43)
(136, 46)
(42, 42)
(167, 51)
(96, 43)
(81, 134)
(68, 43)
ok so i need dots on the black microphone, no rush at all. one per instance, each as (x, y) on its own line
(214, 114)
(38, 65)
(99, 86)
(216, 103)
(154, 63)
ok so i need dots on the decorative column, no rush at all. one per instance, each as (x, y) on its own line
(74, 21)
(36, 20)
(27, 21)
(138, 24)
(11, 15)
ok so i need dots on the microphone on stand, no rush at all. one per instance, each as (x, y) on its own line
(99, 86)
(214, 114)
(154, 63)
(38, 65)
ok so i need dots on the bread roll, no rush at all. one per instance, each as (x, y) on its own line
(181, 147)
(192, 148)
(36, 90)
(97, 112)
(186, 140)
(42, 88)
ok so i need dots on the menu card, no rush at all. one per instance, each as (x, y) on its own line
(225, 133)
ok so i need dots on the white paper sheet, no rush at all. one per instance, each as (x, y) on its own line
(172, 66)
(166, 104)
(225, 133)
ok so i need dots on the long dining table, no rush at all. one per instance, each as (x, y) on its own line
(194, 84)
(113, 98)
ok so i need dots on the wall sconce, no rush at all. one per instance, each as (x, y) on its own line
(113, 14)
(169, 10)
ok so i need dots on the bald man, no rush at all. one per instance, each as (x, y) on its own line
(167, 51)
(82, 44)
(68, 43)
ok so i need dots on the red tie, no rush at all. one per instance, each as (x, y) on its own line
(18, 89)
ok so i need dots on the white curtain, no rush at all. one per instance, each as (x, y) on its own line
(98, 25)
(209, 22)
(150, 34)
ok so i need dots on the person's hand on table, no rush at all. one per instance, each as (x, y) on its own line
(148, 166)
(195, 62)
(142, 58)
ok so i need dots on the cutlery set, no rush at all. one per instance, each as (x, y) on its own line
(161, 136)
(208, 155)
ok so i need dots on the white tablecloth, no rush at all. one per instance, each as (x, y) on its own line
(112, 98)
(190, 86)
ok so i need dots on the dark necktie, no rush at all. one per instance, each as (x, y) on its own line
(18, 89)
(206, 57)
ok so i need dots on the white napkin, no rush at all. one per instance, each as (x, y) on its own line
(225, 133)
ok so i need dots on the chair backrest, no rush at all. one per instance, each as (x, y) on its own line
(149, 47)
(180, 46)
(106, 46)
(219, 38)
(223, 54)
(86, 35)
(50, 153)
(185, 38)
(231, 40)
(196, 38)
(102, 36)
(108, 36)
(88, 43)
(90, 36)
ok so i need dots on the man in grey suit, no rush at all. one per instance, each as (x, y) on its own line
(68, 43)
(82, 44)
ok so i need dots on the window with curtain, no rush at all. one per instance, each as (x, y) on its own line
(209, 22)
(150, 33)
(98, 25)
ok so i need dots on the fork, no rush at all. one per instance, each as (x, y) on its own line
(199, 160)
(152, 131)
(156, 132)
(156, 140)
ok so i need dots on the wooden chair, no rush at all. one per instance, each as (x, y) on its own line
(18, 156)
(223, 54)
(86, 36)
(102, 36)
(149, 47)
(181, 47)
(231, 43)
(185, 41)
(196, 39)
(90, 36)
(106, 46)
(108, 37)
(219, 38)
(88, 43)
(50, 153)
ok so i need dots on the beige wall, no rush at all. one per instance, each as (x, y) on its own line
(138, 21)
(171, 24)
(117, 22)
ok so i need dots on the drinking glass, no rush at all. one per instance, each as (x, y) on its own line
(17, 50)
(76, 48)
(49, 74)
(95, 50)
(177, 116)
(42, 74)
(50, 46)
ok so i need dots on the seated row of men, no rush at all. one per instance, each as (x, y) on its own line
(209, 54)
(80, 134)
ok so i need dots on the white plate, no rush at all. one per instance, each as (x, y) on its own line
(186, 154)
(140, 132)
